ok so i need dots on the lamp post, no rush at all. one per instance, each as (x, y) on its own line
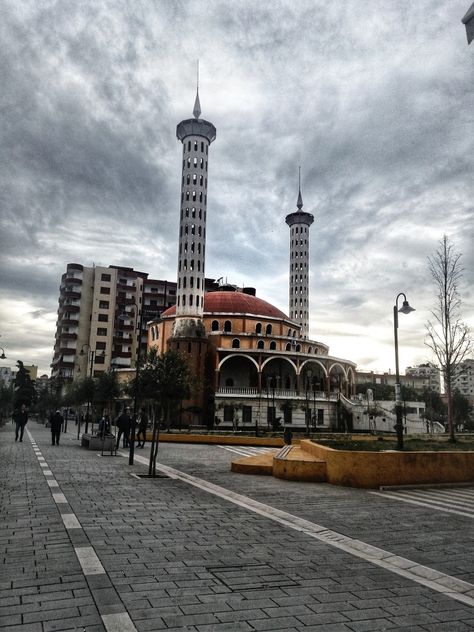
(404, 309)
(307, 412)
(136, 387)
(3, 356)
(90, 357)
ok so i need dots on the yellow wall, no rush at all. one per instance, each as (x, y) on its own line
(374, 469)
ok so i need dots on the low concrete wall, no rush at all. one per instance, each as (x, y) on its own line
(272, 442)
(373, 469)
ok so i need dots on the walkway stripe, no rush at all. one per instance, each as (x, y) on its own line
(425, 503)
(59, 498)
(436, 580)
(70, 521)
(89, 561)
(87, 557)
(120, 622)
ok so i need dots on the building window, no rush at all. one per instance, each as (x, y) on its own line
(101, 331)
(273, 345)
(100, 346)
(104, 304)
(229, 413)
(103, 318)
(288, 347)
(99, 359)
(235, 343)
(105, 290)
(247, 414)
(320, 416)
(260, 344)
(227, 326)
(258, 328)
(268, 330)
(215, 325)
(105, 277)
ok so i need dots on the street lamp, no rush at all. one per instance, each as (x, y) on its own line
(404, 309)
(307, 412)
(90, 353)
(136, 387)
(3, 356)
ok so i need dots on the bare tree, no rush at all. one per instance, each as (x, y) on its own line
(447, 336)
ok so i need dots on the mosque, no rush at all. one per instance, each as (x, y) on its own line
(253, 366)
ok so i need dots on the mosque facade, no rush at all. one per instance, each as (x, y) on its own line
(253, 366)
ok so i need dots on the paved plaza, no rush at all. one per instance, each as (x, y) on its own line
(88, 545)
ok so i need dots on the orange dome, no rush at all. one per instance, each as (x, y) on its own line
(234, 303)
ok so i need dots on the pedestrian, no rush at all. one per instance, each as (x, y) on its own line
(104, 425)
(20, 417)
(287, 435)
(56, 421)
(142, 426)
(124, 423)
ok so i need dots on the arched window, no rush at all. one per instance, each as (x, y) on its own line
(215, 325)
(268, 330)
(189, 145)
(190, 299)
(298, 347)
(260, 344)
(227, 326)
(273, 345)
(195, 145)
(288, 346)
(235, 343)
(258, 328)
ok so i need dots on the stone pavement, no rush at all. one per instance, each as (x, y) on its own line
(87, 545)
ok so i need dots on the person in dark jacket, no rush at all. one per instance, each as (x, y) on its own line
(142, 426)
(104, 425)
(56, 421)
(20, 417)
(124, 423)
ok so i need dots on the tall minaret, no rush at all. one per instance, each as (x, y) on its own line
(299, 223)
(196, 135)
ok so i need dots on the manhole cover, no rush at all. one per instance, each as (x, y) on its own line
(149, 476)
(250, 577)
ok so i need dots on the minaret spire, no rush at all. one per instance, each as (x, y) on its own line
(197, 104)
(299, 203)
(299, 222)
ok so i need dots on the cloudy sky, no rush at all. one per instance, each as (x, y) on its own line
(374, 99)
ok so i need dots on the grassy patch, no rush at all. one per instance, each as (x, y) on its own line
(379, 444)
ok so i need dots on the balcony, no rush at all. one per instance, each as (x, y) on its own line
(67, 351)
(69, 293)
(67, 336)
(278, 393)
(68, 321)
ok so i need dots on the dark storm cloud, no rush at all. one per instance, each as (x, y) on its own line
(373, 100)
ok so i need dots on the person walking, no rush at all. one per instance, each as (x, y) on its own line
(104, 425)
(142, 426)
(124, 423)
(56, 421)
(20, 417)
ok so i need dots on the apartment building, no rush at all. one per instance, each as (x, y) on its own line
(418, 382)
(99, 312)
(464, 379)
(430, 377)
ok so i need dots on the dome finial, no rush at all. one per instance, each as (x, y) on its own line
(197, 104)
(299, 203)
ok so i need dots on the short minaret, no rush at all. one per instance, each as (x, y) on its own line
(196, 135)
(299, 223)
